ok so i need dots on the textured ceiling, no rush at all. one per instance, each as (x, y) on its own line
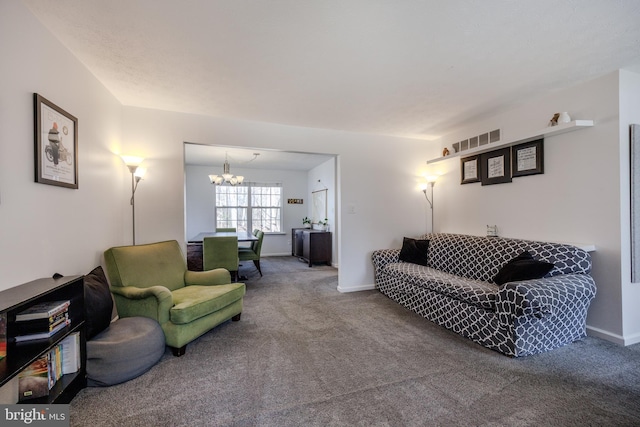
(395, 67)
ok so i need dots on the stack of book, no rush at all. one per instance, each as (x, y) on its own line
(42, 321)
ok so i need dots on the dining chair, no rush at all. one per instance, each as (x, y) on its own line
(221, 252)
(230, 229)
(252, 253)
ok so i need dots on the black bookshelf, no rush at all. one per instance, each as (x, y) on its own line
(21, 355)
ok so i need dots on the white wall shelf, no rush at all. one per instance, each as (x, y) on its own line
(548, 131)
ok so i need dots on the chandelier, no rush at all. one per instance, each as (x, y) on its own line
(226, 177)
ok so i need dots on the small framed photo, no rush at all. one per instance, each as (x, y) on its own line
(470, 169)
(495, 166)
(528, 158)
(56, 144)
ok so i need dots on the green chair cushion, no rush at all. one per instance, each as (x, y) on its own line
(193, 302)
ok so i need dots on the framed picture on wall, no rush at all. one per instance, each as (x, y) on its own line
(56, 144)
(469, 169)
(495, 166)
(528, 158)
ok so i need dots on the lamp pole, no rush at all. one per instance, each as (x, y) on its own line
(137, 173)
(136, 176)
(430, 184)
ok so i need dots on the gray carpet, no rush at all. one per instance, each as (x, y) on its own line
(306, 355)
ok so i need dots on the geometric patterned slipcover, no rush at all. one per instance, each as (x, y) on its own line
(456, 290)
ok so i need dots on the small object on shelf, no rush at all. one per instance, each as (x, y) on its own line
(554, 120)
(445, 152)
(306, 222)
(42, 310)
(563, 117)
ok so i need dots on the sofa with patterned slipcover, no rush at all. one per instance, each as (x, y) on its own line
(452, 282)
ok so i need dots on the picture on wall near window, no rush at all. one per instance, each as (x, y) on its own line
(56, 144)
(470, 169)
(495, 166)
(528, 158)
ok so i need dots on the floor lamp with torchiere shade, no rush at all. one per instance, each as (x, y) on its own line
(431, 181)
(133, 163)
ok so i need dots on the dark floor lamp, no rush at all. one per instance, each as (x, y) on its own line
(133, 163)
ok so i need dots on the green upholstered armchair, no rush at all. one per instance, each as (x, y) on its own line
(153, 281)
(253, 253)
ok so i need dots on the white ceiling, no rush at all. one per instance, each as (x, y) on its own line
(411, 68)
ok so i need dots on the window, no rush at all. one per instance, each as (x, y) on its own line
(249, 207)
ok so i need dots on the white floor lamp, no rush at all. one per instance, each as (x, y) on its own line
(431, 181)
(133, 163)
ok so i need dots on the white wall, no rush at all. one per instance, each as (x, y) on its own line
(629, 114)
(378, 178)
(577, 199)
(46, 229)
(200, 202)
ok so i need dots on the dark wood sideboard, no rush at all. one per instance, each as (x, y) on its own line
(311, 246)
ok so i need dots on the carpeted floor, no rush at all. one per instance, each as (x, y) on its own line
(306, 355)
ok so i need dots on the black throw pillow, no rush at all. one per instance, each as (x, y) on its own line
(414, 251)
(522, 267)
(98, 305)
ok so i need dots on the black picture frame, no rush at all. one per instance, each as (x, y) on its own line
(56, 144)
(528, 158)
(495, 166)
(469, 169)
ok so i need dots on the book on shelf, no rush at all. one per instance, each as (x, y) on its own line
(43, 310)
(54, 364)
(45, 334)
(70, 349)
(33, 381)
(26, 327)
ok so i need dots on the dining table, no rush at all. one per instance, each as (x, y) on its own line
(243, 236)
(194, 245)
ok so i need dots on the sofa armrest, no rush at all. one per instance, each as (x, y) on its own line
(217, 276)
(539, 298)
(382, 257)
(153, 302)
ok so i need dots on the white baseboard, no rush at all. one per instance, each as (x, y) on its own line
(347, 289)
(633, 339)
(606, 335)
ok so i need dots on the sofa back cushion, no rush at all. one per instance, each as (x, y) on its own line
(480, 258)
(143, 266)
